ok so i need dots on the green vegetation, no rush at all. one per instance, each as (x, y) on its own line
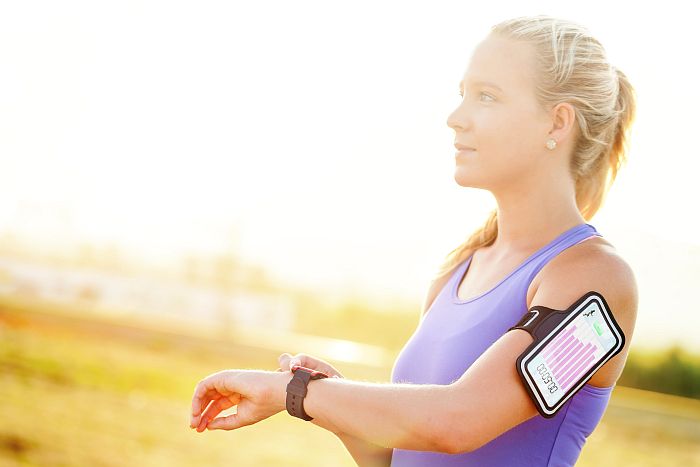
(86, 390)
(673, 371)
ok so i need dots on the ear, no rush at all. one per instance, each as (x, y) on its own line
(563, 118)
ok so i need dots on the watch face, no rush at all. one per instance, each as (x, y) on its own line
(313, 373)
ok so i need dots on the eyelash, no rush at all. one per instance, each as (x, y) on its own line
(481, 93)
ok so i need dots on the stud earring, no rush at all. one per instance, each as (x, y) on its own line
(551, 143)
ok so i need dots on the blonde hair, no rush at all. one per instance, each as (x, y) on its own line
(571, 66)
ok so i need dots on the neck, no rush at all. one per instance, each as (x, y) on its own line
(535, 214)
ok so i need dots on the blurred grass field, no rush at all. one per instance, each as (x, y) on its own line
(96, 391)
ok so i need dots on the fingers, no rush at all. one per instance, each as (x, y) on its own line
(215, 409)
(211, 388)
(212, 411)
(280, 361)
(288, 361)
(244, 416)
(198, 398)
(284, 361)
(201, 398)
(210, 396)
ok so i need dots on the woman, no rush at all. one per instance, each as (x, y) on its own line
(543, 125)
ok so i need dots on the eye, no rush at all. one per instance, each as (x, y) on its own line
(480, 94)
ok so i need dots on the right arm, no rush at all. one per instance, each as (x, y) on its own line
(364, 453)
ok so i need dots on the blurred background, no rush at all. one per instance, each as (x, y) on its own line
(192, 186)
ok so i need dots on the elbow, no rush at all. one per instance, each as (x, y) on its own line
(430, 435)
(461, 435)
(456, 446)
(456, 430)
(448, 437)
(444, 427)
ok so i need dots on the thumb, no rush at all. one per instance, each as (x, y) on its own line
(229, 422)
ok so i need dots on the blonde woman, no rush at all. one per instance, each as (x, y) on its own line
(543, 124)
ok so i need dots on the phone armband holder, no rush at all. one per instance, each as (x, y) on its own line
(569, 346)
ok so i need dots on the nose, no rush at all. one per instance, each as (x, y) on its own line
(458, 120)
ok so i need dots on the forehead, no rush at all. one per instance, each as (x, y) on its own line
(507, 64)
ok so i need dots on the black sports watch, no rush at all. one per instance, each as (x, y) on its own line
(297, 388)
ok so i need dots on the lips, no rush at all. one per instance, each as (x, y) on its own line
(462, 147)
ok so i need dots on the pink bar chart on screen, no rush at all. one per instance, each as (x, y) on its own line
(571, 353)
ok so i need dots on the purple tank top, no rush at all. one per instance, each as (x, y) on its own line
(455, 332)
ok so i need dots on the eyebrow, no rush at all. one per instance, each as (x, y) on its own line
(485, 83)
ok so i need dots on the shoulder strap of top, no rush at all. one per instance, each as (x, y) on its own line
(573, 237)
(566, 240)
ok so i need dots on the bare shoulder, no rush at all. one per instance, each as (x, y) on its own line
(595, 258)
(593, 266)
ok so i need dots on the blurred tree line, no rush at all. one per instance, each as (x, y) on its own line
(671, 371)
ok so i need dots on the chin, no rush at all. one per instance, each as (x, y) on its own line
(467, 179)
(464, 180)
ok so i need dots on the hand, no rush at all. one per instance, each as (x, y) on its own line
(257, 394)
(287, 362)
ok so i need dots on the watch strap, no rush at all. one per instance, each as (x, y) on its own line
(297, 389)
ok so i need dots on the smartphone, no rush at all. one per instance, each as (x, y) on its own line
(582, 339)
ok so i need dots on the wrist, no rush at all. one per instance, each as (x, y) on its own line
(314, 391)
(298, 391)
(280, 391)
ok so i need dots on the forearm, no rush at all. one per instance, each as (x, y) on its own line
(405, 416)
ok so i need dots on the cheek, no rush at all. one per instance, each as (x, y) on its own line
(504, 142)
(509, 139)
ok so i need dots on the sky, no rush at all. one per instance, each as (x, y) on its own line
(311, 137)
